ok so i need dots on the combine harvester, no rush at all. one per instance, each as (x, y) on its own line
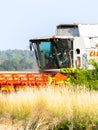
(71, 47)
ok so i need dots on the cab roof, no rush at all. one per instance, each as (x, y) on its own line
(45, 38)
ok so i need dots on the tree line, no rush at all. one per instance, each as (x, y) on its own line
(14, 60)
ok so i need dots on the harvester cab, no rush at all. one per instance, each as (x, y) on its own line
(53, 52)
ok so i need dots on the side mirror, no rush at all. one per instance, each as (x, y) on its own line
(30, 46)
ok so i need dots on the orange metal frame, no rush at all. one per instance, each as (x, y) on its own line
(16, 81)
(13, 82)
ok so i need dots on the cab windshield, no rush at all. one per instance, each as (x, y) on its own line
(54, 54)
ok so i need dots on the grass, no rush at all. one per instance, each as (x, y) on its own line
(51, 108)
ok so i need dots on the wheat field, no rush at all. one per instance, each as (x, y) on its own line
(47, 108)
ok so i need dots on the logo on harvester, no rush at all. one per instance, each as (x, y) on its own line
(93, 53)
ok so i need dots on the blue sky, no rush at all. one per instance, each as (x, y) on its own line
(21, 20)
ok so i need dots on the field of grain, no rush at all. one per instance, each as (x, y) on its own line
(49, 109)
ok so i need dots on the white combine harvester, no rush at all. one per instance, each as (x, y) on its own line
(72, 46)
